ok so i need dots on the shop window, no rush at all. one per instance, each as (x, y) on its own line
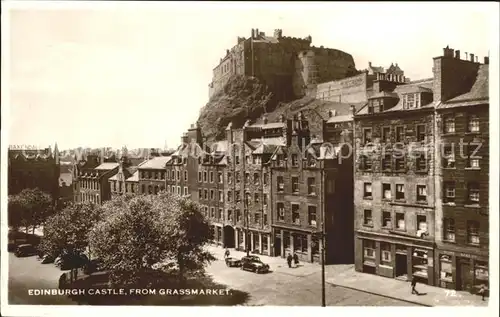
(400, 221)
(265, 246)
(481, 274)
(446, 273)
(300, 243)
(369, 249)
(367, 218)
(385, 253)
(419, 261)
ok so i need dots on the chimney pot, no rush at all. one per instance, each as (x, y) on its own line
(472, 57)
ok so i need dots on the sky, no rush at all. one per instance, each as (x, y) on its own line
(137, 74)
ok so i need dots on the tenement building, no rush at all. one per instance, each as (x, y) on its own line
(34, 168)
(462, 161)
(421, 177)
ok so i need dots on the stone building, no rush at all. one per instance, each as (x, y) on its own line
(34, 168)
(288, 65)
(462, 164)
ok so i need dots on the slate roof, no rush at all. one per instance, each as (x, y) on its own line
(157, 162)
(478, 94)
(107, 166)
(134, 177)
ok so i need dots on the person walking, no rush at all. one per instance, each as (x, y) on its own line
(414, 285)
(482, 291)
(226, 254)
(295, 259)
(289, 260)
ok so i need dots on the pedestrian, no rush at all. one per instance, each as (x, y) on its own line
(289, 260)
(226, 254)
(482, 291)
(414, 285)
(296, 259)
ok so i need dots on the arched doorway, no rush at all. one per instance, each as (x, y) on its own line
(228, 237)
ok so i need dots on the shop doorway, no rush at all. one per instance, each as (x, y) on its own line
(228, 237)
(277, 246)
(463, 275)
(401, 266)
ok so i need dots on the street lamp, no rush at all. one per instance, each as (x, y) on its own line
(323, 295)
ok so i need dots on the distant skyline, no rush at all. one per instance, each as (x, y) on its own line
(137, 75)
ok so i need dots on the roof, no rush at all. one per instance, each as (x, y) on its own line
(272, 125)
(478, 94)
(343, 118)
(157, 162)
(67, 178)
(107, 166)
(134, 177)
(127, 172)
(384, 94)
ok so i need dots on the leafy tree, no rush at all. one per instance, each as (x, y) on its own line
(136, 233)
(14, 212)
(67, 230)
(31, 207)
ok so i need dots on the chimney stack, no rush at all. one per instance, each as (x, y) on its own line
(466, 56)
(477, 59)
(369, 64)
(253, 33)
(472, 57)
(486, 60)
(353, 110)
(256, 32)
(457, 54)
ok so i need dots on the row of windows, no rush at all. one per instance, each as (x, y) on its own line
(449, 191)
(385, 251)
(129, 188)
(449, 231)
(90, 184)
(158, 175)
(90, 197)
(472, 124)
(311, 185)
(390, 162)
(399, 193)
(399, 222)
(295, 209)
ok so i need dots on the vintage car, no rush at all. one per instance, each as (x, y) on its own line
(232, 262)
(25, 250)
(254, 264)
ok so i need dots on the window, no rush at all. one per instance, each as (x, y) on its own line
(473, 192)
(178, 190)
(421, 193)
(212, 212)
(409, 101)
(178, 175)
(247, 178)
(421, 163)
(386, 162)
(206, 193)
(238, 196)
(238, 179)
(386, 191)
(400, 221)
(473, 124)
(256, 198)
(386, 219)
(295, 185)
(367, 192)
(212, 194)
(400, 134)
(365, 163)
(295, 214)
(162, 175)
(185, 176)
(256, 179)
(219, 177)
(421, 224)
(385, 253)
(219, 214)
(265, 220)
(449, 229)
(238, 215)
(257, 219)
(386, 134)
(168, 174)
(446, 268)
(132, 188)
(247, 198)
(311, 215)
(205, 176)
(211, 177)
(367, 218)
(199, 177)
(295, 160)
(281, 184)
(221, 196)
(473, 232)
(421, 132)
(399, 164)
(200, 192)
(248, 160)
(265, 178)
(472, 158)
(229, 178)
(369, 248)
(237, 160)
(449, 156)
(449, 192)
(229, 215)
(150, 189)
(367, 135)
(185, 191)
(449, 124)
(264, 199)
(280, 208)
(229, 196)
(311, 186)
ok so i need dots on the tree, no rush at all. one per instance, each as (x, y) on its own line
(136, 233)
(67, 230)
(30, 208)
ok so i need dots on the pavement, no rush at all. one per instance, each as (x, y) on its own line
(345, 276)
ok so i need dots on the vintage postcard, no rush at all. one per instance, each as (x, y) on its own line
(158, 157)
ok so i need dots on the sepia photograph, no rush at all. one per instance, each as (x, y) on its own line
(186, 155)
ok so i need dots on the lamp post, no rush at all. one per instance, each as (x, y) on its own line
(323, 295)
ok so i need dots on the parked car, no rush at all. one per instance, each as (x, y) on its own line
(232, 262)
(47, 259)
(254, 264)
(71, 261)
(25, 250)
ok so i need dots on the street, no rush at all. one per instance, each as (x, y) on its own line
(275, 288)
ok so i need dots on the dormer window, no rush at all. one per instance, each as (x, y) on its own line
(411, 101)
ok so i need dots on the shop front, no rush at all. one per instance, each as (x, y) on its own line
(302, 243)
(462, 271)
(258, 242)
(397, 258)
